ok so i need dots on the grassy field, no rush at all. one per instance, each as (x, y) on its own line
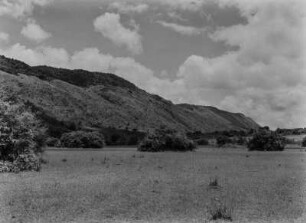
(123, 185)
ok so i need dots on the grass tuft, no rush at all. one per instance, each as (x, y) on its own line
(213, 182)
(220, 211)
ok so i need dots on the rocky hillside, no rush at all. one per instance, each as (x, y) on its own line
(95, 99)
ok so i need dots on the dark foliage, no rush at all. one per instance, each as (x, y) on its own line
(82, 139)
(116, 137)
(202, 142)
(222, 140)
(27, 162)
(265, 140)
(240, 140)
(304, 142)
(166, 140)
(22, 138)
(295, 131)
(53, 142)
(222, 213)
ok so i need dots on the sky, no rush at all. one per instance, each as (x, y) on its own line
(243, 56)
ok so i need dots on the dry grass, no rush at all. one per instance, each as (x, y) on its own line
(123, 185)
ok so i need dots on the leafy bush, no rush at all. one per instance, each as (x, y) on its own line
(53, 142)
(166, 140)
(21, 134)
(222, 140)
(202, 142)
(304, 142)
(241, 140)
(27, 161)
(266, 141)
(6, 166)
(82, 139)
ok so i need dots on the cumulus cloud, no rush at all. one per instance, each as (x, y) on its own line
(265, 77)
(93, 60)
(188, 5)
(184, 30)
(110, 27)
(126, 8)
(57, 57)
(4, 37)
(34, 32)
(20, 8)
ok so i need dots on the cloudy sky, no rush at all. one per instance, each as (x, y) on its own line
(240, 55)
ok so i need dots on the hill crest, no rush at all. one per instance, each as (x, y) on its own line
(96, 99)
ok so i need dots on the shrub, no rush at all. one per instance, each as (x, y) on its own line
(241, 140)
(266, 141)
(82, 139)
(27, 161)
(21, 134)
(6, 166)
(222, 140)
(202, 142)
(53, 142)
(166, 140)
(214, 183)
(304, 142)
(221, 212)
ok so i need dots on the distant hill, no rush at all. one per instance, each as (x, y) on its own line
(104, 100)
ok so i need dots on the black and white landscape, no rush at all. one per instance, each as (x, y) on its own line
(152, 111)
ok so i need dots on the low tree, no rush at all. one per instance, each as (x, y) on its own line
(22, 137)
(202, 142)
(265, 140)
(166, 140)
(222, 140)
(304, 142)
(82, 139)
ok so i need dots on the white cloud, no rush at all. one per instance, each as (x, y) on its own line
(125, 8)
(265, 78)
(188, 5)
(20, 8)
(34, 32)
(184, 30)
(57, 57)
(90, 59)
(4, 37)
(110, 27)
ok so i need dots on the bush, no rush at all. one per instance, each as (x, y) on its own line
(6, 166)
(53, 142)
(222, 140)
(241, 140)
(27, 161)
(21, 134)
(166, 140)
(202, 142)
(266, 141)
(304, 142)
(82, 139)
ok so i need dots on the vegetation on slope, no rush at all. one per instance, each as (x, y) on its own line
(65, 98)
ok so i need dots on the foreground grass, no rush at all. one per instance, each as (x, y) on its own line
(123, 185)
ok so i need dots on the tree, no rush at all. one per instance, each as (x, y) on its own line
(166, 140)
(265, 140)
(304, 142)
(222, 140)
(21, 136)
(82, 139)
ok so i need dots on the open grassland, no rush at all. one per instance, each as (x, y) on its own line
(123, 185)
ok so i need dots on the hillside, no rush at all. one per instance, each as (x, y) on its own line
(95, 99)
